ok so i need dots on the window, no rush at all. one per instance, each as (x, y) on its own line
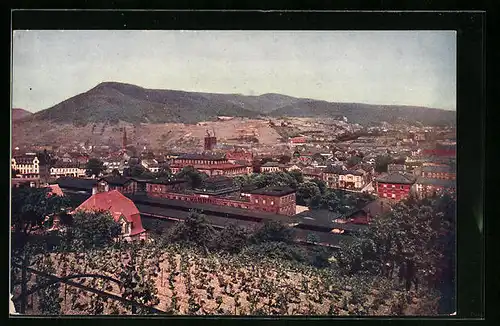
(385, 186)
(264, 201)
(401, 187)
(272, 203)
(256, 201)
(394, 186)
(385, 195)
(393, 195)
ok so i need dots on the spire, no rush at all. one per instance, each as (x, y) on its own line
(124, 141)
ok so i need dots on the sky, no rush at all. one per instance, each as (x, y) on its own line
(374, 67)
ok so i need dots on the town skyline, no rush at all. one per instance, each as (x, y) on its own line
(419, 68)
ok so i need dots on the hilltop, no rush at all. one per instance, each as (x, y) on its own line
(18, 114)
(112, 102)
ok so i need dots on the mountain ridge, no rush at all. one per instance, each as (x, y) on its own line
(114, 101)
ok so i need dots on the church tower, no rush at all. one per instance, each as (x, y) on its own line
(124, 140)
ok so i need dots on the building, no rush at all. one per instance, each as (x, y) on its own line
(211, 164)
(443, 172)
(395, 186)
(339, 178)
(63, 169)
(396, 168)
(121, 208)
(151, 165)
(425, 187)
(210, 142)
(297, 140)
(270, 167)
(122, 184)
(277, 200)
(30, 166)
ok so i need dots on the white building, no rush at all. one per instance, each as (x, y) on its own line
(62, 169)
(29, 166)
(151, 165)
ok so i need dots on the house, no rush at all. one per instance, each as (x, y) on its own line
(322, 220)
(120, 207)
(396, 168)
(63, 169)
(270, 167)
(30, 166)
(341, 178)
(367, 213)
(395, 186)
(443, 172)
(151, 165)
(122, 184)
(278, 200)
(211, 164)
(427, 186)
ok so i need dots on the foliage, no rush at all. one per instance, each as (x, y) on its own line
(93, 229)
(353, 161)
(30, 206)
(305, 192)
(49, 301)
(231, 239)
(381, 163)
(115, 173)
(95, 167)
(193, 176)
(272, 231)
(194, 230)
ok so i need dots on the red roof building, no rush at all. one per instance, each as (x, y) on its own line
(395, 186)
(121, 208)
(55, 190)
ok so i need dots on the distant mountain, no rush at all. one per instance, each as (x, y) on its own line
(18, 114)
(366, 114)
(112, 102)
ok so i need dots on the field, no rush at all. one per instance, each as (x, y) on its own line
(191, 283)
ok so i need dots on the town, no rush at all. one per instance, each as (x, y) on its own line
(168, 187)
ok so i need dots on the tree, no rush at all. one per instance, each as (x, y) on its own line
(306, 191)
(115, 173)
(353, 161)
(272, 231)
(321, 185)
(284, 159)
(93, 229)
(164, 172)
(94, 167)
(193, 176)
(232, 239)
(297, 175)
(15, 172)
(30, 207)
(195, 231)
(381, 163)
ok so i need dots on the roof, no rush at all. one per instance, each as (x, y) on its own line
(118, 205)
(325, 218)
(207, 208)
(333, 169)
(24, 159)
(204, 156)
(76, 183)
(161, 181)
(220, 166)
(67, 165)
(397, 178)
(273, 191)
(436, 182)
(438, 169)
(270, 164)
(117, 180)
(159, 212)
(330, 239)
(55, 190)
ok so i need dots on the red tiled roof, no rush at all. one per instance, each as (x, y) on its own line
(55, 190)
(225, 166)
(118, 205)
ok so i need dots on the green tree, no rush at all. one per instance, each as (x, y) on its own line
(306, 191)
(30, 207)
(353, 161)
(232, 239)
(321, 185)
(194, 231)
(272, 231)
(284, 159)
(194, 177)
(93, 229)
(115, 173)
(297, 175)
(381, 163)
(94, 167)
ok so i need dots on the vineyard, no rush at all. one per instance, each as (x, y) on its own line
(182, 281)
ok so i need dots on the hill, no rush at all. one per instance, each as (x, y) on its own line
(112, 102)
(18, 114)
